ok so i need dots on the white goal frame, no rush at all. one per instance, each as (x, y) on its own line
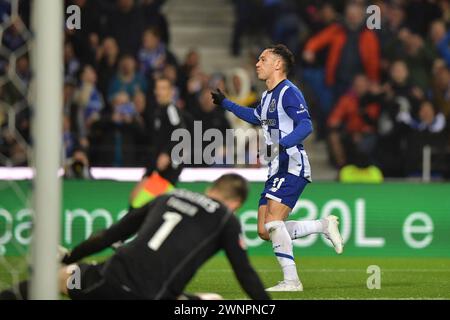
(47, 62)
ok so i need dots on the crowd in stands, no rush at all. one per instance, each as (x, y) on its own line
(377, 96)
(110, 97)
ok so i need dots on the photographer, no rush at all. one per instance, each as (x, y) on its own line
(77, 167)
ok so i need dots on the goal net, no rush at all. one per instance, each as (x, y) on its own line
(15, 137)
(30, 135)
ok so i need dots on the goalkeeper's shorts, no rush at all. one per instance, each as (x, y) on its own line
(93, 286)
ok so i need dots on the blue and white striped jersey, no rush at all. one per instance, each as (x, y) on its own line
(280, 111)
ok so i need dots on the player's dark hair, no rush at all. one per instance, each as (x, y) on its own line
(232, 186)
(286, 54)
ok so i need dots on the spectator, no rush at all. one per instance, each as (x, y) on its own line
(400, 90)
(87, 39)
(428, 129)
(440, 38)
(247, 14)
(92, 17)
(126, 25)
(69, 107)
(191, 63)
(69, 138)
(445, 10)
(429, 120)
(393, 20)
(197, 81)
(399, 94)
(107, 61)
(420, 13)
(417, 56)
(153, 55)
(440, 90)
(353, 49)
(127, 79)
(89, 103)
(71, 63)
(353, 122)
(140, 105)
(154, 19)
(287, 25)
(14, 148)
(313, 73)
(114, 137)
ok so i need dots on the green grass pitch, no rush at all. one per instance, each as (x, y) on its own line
(336, 277)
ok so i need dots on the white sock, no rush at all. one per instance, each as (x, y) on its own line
(282, 247)
(299, 229)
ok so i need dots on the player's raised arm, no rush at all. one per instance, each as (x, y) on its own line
(244, 113)
(120, 231)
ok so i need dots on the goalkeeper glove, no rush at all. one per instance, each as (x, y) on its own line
(63, 255)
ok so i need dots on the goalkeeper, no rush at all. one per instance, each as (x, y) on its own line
(175, 234)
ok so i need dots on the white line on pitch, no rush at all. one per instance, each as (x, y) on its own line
(339, 270)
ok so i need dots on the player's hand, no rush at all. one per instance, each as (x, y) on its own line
(217, 97)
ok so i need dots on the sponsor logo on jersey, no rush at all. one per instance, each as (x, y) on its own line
(269, 122)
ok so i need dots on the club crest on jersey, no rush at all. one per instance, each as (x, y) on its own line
(272, 105)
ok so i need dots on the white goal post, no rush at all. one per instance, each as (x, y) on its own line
(47, 62)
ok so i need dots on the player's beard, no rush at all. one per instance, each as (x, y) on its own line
(261, 76)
